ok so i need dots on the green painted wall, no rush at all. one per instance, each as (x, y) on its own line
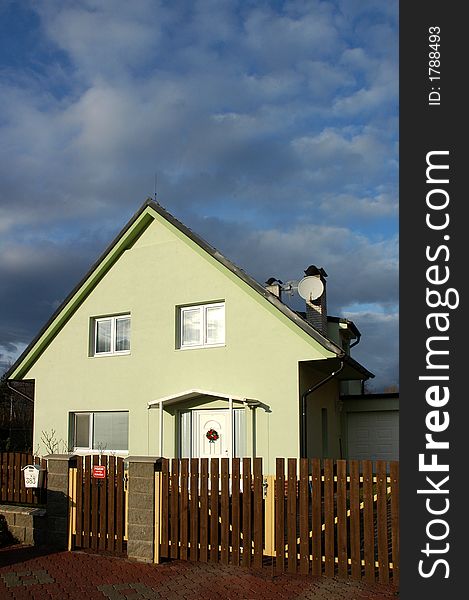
(326, 396)
(164, 269)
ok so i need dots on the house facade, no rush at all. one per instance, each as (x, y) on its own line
(166, 348)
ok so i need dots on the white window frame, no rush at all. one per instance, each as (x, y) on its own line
(113, 320)
(203, 325)
(89, 449)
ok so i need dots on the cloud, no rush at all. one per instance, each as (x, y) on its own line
(351, 260)
(271, 128)
(342, 208)
(379, 332)
(36, 277)
(103, 39)
(8, 354)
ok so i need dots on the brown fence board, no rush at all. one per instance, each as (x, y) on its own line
(291, 515)
(94, 507)
(102, 485)
(394, 473)
(258, 521)
(355, 519)
(280, 515)
(316, 516)
(17, 477)
(368, 521)
(29, 496)
(120, 506)
(194, 510)
(204, 509)
(111, 509)
(214, 499)
(22, 489)
(2, 477)
(225, 511)
(79, 504)
(8, 477)
(87, 503)
(235, 511)
(329, 517)
(164, 546)
(11, 478)
(382, 522)
(247, 507)
(303, 511)
(174, 507)
(342, 518)
(184, 509)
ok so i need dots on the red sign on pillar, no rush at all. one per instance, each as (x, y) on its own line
(99, 471)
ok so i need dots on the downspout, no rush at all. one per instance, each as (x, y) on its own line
(356, 341)
(303, 405)
(18, 392)
(350, 347)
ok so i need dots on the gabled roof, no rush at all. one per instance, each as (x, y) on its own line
(124, 240)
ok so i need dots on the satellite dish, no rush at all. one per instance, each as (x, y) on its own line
(310, 288)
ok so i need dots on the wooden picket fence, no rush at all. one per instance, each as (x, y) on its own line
(98, 507)
(338, 518)
(324, 517)
(12, 487)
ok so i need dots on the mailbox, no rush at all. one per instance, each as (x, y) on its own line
(33, 476)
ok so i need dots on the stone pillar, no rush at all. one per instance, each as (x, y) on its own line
(57, 500)
(141, 507)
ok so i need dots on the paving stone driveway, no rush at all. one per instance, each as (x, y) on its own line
(30, 573)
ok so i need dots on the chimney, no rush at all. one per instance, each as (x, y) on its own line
(316, 310)
(274, 286)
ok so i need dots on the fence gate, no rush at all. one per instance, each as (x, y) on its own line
(211, 515)
(98, 505)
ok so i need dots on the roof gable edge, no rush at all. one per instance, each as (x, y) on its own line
(124, 240)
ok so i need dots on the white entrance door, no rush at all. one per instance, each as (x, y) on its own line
(202, 422)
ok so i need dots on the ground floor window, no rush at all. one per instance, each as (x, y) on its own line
(100, 431)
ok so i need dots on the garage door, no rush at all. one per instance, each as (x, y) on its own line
(373, 435)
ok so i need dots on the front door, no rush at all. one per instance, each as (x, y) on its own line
(211, 433)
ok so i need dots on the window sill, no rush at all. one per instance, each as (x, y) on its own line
(108, 354)
(88, 451)
(185, 348)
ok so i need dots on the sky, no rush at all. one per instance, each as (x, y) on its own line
(270, 128)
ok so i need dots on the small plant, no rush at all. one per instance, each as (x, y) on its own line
(101, 448)
(52, 444)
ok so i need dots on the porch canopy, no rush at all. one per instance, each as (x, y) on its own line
(193, 394)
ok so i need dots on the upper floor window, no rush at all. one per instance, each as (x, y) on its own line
(202, 325)
(112, 335)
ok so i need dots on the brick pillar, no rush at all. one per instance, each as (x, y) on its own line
(141, 508)
(57, 500)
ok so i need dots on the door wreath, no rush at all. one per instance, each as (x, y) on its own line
(212, 435)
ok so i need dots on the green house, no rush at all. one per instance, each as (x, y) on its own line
(166, 348)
